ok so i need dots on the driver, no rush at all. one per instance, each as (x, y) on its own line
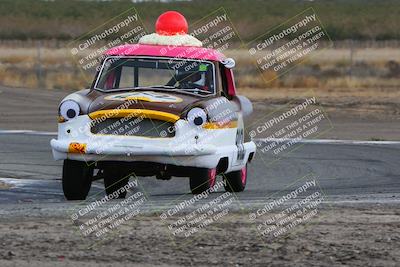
(195, 80)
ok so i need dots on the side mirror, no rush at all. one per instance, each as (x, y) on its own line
(229, 63)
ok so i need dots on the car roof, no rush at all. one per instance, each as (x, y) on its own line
(189, 52)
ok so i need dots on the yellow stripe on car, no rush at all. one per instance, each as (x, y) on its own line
(147, 113)
(216, 125)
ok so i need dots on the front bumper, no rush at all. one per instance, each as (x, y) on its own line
(191, 146)
(136, 149)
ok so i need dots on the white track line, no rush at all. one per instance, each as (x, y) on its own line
(27, 132)
(267, 140)
(328, 141)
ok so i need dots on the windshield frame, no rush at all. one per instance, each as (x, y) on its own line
(155, 87)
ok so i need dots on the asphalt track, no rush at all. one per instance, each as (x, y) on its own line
(346, 171)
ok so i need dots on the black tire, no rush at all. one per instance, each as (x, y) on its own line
(76, 179)
(234, 181)
(202, 180)
(114, 180)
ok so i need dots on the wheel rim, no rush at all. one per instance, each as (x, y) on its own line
(212, 173)
(243, 174)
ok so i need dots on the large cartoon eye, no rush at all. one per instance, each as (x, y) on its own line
(197, 116)
(69, 109)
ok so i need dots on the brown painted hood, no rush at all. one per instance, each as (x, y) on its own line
(171, 102)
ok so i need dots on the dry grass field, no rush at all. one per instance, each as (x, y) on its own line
(350, 69)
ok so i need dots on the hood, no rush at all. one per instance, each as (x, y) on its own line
(171, 102)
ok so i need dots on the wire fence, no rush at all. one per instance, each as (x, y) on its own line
(58, 44)
(346, 58)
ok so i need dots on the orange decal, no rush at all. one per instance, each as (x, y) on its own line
(77, 148)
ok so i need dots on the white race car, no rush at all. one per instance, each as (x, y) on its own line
(155, 110)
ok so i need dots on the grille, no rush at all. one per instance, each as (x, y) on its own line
(136, 126)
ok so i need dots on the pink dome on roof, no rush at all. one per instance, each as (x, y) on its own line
(189, 52)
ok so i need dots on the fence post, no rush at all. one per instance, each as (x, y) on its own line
(39, 71)
(351, 58)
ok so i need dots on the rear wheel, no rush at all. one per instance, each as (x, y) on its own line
(202, 180)
(114, 181)
(76, 179)
(236, 181)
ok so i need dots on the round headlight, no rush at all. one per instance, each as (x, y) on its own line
(197, 117)
(69, 109)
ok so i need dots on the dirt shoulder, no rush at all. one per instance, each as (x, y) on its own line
(360, 236)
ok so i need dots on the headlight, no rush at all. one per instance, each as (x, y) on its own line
(69, 109)
(197, 117)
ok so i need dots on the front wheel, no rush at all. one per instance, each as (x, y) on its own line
(76, 179)
(202, 180)
(236, 181)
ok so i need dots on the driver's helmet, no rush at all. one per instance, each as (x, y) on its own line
(197, 78)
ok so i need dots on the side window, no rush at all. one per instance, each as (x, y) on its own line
(223, 83)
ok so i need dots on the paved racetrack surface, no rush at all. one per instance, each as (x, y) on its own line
(344, 171)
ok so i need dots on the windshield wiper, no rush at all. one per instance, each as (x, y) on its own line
(155, 86)
(195, 90)
(173, 88)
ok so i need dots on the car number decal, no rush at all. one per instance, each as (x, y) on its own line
(239, 144)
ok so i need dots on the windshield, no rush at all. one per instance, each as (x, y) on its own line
(192, 76)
